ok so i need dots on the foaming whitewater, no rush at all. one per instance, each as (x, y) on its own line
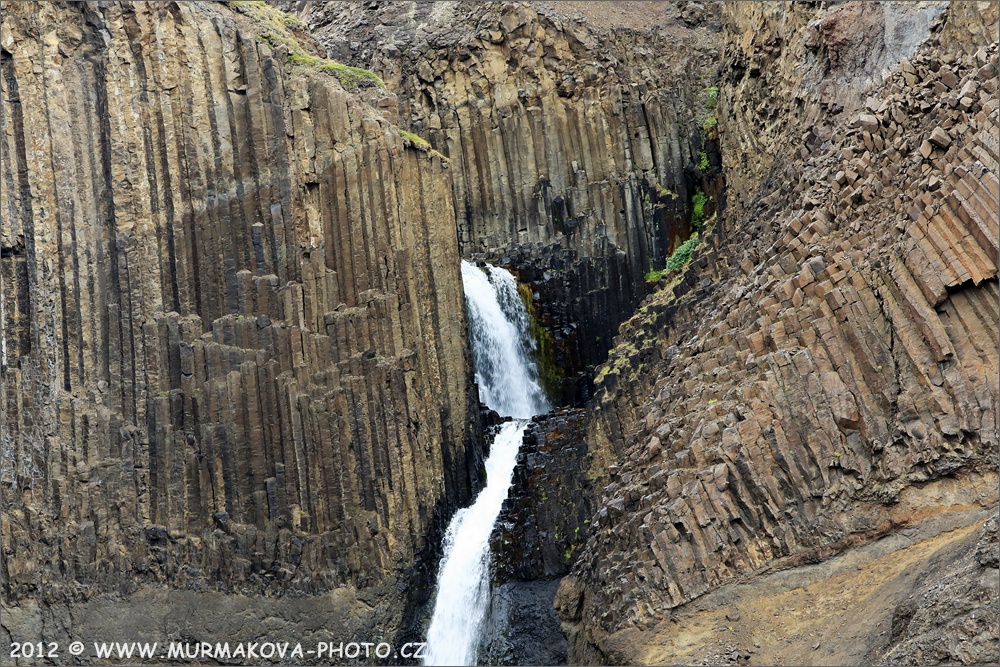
(502, 350)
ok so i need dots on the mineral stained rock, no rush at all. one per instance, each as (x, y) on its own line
(826, 370)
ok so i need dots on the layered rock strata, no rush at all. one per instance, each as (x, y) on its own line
(573, 147)
(825, 365)
(233, 331)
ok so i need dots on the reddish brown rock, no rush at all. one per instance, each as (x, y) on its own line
(822, 371)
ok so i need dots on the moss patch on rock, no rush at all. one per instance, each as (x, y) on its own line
(276, 28)
(549, 372)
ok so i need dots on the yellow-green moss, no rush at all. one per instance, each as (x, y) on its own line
(416, 141)
(349, 76)
(421, 144)
(549, 372)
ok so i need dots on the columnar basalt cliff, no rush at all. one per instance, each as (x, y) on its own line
(235, 387)
(573, 146)
(233, 331)
(822, 373)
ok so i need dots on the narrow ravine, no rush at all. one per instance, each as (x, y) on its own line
(503, 355)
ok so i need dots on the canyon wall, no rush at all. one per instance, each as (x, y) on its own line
(573, 141)
(234, 359)
(824, 373)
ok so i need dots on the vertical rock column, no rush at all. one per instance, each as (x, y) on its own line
(569, 146)
(233, 345)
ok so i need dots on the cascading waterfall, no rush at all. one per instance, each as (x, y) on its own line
(502, 350)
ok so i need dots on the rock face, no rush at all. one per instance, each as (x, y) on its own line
(550, 501)
(952, 615)
(572, 146)
(233, 335)
(828, 361)
(543, 524)
(232, 340)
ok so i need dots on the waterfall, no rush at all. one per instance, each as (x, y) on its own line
(502, 351)
(502, 347)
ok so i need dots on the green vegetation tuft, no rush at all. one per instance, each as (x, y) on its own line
(682, 255)
(275, 27)
(711, 97)
(421, 144)
(698, 210)
(663, 192)
(418, 142)
(351, 77)
(703, 163)
(653, 277)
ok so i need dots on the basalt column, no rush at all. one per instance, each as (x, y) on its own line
(575, 149)
(824, 374)
(233, 333)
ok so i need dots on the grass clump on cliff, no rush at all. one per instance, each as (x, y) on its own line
(416, 141)
(682, 255)
(350, 77)
(275, 27)
(421, 144)
(711, 97)
(698, 210)
(708, 123)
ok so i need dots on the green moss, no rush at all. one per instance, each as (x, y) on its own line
(303, 59)
(421, 144)
(711, 97)
(703, 163)
(416, 141)
(351, 77)
(653, 277)
(698, 210)
(663, 192)
(550, 374)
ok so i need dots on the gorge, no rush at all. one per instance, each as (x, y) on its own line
(273, 276)
(507, 376)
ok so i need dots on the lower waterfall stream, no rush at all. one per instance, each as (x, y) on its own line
(503, 351)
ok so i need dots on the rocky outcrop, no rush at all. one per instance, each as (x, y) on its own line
(233, 332)
(827, 360)
(853, 608)
(573, 140)
(547, 512)
(543, 524)
(951, 616)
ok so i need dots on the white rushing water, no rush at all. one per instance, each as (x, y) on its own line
(502, 350)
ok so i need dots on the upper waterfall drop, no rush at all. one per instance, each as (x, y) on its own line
(502, 347)
(502, 350)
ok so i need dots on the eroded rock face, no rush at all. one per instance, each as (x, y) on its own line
(547, 513)
(792, 68)
(830, 348)
(573, 138)
(952, 616)
(234, 351)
